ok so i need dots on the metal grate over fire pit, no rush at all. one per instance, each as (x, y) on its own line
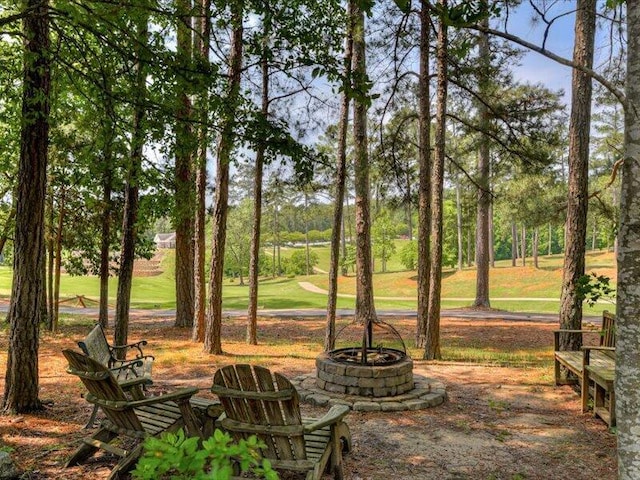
(380, 369)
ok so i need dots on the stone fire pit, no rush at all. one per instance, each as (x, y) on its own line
(364, 380)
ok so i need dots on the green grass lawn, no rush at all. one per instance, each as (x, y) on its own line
(512, 288)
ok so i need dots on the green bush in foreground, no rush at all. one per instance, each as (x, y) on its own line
(173, 456)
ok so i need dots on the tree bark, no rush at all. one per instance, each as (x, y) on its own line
(213, 327)
(577, 201)
(484, 194)
(25, 309)
(627, 382)
(184, 210)
(365, 308)
(340, 181)
(131, 200)
(201, 48)
(424, 180)
(432, 344)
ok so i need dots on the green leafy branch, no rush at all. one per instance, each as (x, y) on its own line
(173, 456)
(592, 288)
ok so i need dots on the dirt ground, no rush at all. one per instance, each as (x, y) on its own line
(499, 423)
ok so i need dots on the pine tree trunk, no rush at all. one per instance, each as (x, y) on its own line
(131, 200)
(577, 201)
(213, 327)
(365, 309)
(25, 308)
(58, 263)
(50, 251)
(484, 195)
(201, 48)
(252, 313)
(492, 260)
(523, 245)
(306, 234)
(627, 382)
(550, 240)
(514, 244)
(184, 209)
(340, 180)
(105, 239)
(534, 247)
(424, 181)
(4, 236)
(459, 223)
(432, 344)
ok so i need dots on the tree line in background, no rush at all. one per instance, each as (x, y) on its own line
(112, 113)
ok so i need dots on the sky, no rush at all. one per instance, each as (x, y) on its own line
(537, 68)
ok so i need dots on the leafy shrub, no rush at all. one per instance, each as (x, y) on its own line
(297, 263)
(173, 456)
(409, 255)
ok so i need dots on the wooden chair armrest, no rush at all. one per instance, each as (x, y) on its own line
(177, 395)
(334, 415)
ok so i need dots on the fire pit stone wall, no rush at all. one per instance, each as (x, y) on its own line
(364, 380)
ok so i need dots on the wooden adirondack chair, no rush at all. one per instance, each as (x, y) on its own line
(258, 402)
(96, 346)
(126, 416)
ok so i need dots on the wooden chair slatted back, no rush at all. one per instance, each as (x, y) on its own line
(100, 383)
(262, 411)
(96, 346)
(608, 335)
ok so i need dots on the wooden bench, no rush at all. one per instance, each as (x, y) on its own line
(573, 361)
(601, 370)
(96, 346)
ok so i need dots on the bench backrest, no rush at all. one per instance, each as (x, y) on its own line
(608, 333)
(95, 345)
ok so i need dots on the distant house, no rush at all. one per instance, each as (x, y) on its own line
(165, 240)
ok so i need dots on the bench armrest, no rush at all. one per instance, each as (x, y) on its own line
(556, 336)
(597, 347)
(131, 346)
(334, 415)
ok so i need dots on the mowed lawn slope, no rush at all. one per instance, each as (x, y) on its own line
(520, 288)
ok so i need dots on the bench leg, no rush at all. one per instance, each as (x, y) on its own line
(584, 390)
(612, 408)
